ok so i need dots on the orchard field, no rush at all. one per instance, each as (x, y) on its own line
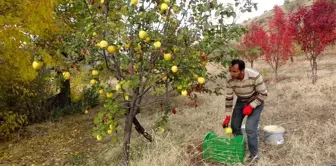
(128, 82)
(306, 111)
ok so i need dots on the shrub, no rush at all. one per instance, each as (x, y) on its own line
(9, 122)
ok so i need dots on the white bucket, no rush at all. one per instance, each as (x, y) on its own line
(273, 134)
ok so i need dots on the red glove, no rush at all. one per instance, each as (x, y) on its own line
(248, 110)
(226, 121)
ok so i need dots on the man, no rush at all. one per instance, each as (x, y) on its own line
(250, 89)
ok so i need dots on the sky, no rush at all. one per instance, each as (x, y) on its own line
(263, 5)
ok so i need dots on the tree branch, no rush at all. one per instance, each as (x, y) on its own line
(87, 7)
(105, 58)
(117, 68)
(141, 130)
(106, 10)
(154, 101)
(144, 92)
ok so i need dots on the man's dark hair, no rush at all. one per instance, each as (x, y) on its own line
(240, 63)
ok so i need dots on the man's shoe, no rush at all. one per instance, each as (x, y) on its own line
(253, 158)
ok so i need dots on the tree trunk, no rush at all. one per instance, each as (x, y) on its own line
(292, 59)
(141, 130)
(128, 127)
(276, 75)
(60, 100)
(127, 135)
(252, 64)
(130, 118)
(314, 70)
(64, 95)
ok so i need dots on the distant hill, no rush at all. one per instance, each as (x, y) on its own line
(288, 6)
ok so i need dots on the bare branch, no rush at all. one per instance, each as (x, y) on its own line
(156, 100)
(144, 92)
(117, 68)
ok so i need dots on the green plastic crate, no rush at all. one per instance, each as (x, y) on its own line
(223, 150)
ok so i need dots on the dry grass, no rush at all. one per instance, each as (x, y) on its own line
(306, 111)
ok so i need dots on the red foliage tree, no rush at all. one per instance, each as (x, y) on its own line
(253, 43)
(314, 28)
(280, 41)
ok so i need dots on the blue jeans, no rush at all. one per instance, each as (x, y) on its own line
(251, 126)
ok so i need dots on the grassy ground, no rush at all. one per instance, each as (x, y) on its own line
(306, 111)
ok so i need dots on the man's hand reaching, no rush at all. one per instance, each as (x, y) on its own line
(226, 121)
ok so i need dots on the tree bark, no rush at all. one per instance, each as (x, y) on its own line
(62, 99)
(141, 130)
(127, 135)
(64, 95)
(128, 127)
(314, 70)
(252, 64)
(276, 75)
